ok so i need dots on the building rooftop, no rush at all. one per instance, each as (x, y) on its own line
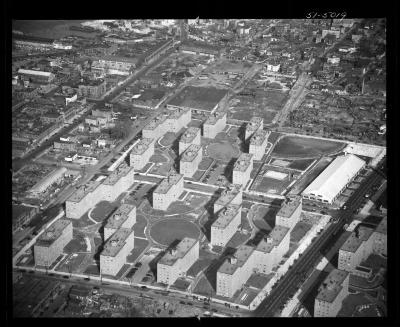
(353, 242)
(273, 239)
(184, 246)
(190, 134)
(259, 137)
(168, 182)
(51, 234)
(332, 286)
(154, 123)
(289, 206)
(83, 191)
(214, 117)
(92, 82)
(200, 45)
(226, 215)
(116, 242)
(178, 112)
(121, 171)
(191, 152)
(243, 162)
(120, 216)
(130, 60)
(142, 146)
(229, 194)
(382, 227)
(240, 257)
(254, 124)
(34, 72)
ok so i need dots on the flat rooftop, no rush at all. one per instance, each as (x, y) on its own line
(184, 246)
(51, 234)
(254, 124)
(229, 194)
(382, 227)
(34, 72)
(121, 171)
(273, 239)
(120, 216)
(198, 98)
(289, 206)
(83, 190)
(200, 45)
(354, 242)
(154, 123)
(243, 162)
(116, 242)
(226, 215)
(332, 286)
(167, 183)
(214, 117)
(190, 134)
(191, 152)
(259, 137)
(130, 60)
(241, 255)
(178, 112)
(142, 146)
(92, 82)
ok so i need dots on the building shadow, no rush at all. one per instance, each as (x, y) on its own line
(209, 206)
(227, 173)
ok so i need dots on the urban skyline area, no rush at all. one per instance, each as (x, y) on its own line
(199, 168)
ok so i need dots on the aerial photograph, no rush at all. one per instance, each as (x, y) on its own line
(199, 168)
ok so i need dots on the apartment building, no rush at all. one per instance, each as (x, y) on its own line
(255, 125)
(214, 124)
(178, 118)
(289, 214)
(231, 195)
(242, 169)
(258, 144)
(190, 160)
(141, 153)
(124, 217)
(226, 225)
(168, 191)
(119, 181)
(191, 136)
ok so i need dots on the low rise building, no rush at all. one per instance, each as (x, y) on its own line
(178, 119)
(117, 65)
(36, 76)
(51, 243)
(331, 294)
(190, 160)
(242, 169)
(258, 143)
(235, 271)
(191, 136)
(231, 195)
(55, 176)
(141, 153)
(289, 214)
(214, 124)
(168, 191)
(115, 251)
(124, 217)
(256, 124)
(270, 251)
(176, 262)
(226, 225)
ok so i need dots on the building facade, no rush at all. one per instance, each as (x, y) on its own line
(258, 143)
(178, 119)
(190, 160)
(231, 195)
(191, 136)
(226, 225)
(119, 181)
(256, 124)
(124, 217)
(242, 169)
(214, 124)
(167, 191)
(141, 153)
(289, 214)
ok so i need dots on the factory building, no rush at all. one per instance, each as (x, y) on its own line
(124, 217)
(334, 179)
(141, 153)
(178, 118)
(168, 191)
(258, 143)
(214, 124)
(235, 271)
(54, 176)
(156, 128)
(226, 225)
(356, 249)
(36, 76)
(255, 125)
(51, 243)
(270, 251)
(84, 198)
(331, 294)
(115, 251)
(119, 181)
(190, 160)
(380, 238)
(176, 262)
(242, 169)
(191, 136)
(289, 214)
(231, 195)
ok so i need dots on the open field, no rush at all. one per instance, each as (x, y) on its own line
(271, 185)
(167, 231)
(294, 146)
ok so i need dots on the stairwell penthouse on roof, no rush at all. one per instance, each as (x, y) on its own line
(167, 183)
(243, 162)
(226, 215)
(116, 242)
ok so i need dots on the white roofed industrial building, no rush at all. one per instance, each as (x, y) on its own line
(333, 180)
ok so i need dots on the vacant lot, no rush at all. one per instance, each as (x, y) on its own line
(295, 146)
(167, 231)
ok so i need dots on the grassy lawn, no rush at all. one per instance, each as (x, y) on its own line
(140, 245)
(140, 225)
(299, 231)
(264, 218)
(271, 185)
(237, 239)
(157, 158)
(102, 210)
(205, 163)
(163, 169)
(301, 164)
(167, 231)
(350, 303)
(204, 287)
(92, 270)
(84, 221)
(168, 139)
(259, 280)
(295, 146)
(77, 244)
(223, 151)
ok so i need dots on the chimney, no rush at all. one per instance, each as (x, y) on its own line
(269, 239)
(232, 260)
(173, 251)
